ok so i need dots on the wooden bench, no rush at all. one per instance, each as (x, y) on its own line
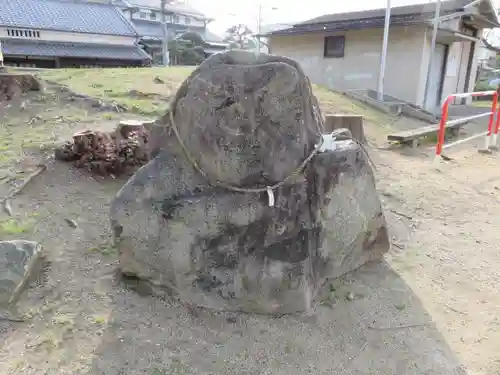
(412, 137)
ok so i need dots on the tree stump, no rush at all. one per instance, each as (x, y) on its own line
(354, 123)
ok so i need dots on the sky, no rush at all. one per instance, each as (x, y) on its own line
(231, 12)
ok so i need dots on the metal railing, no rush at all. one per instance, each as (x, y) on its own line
(490, 136)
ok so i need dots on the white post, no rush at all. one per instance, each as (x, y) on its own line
(259, 20)
(164, 40)
(381, 73)
(431, 53)
(1, 55)
(494, 141)
(486, 142)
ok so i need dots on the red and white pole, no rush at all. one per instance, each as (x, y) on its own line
(490, 136)
(494, 139)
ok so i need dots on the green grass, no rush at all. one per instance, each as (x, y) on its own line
(482, 103)
(122, 85)
(105, 250)
(15, 227)
(118, 84)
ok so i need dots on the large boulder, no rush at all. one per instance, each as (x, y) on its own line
(247, 121)
(20, 262)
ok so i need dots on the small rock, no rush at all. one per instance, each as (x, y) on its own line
(19, 260)
(350, 296)
(158, 80)
(6, 207)
(71, 223)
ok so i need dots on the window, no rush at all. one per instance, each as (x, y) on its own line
(143, 15)
(23, 33)
(175, 18)
(187, 20)
(334, 46)
(152, 16)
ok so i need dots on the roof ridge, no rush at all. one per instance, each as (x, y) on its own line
(122, 16)
(66, 16)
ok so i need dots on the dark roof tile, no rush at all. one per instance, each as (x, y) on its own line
(64, 16)
(425, 8)
(22, 47)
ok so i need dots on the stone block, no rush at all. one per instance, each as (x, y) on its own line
(231, 251)
(19, 261)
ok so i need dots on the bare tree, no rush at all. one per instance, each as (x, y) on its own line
(488, 43)
(240, 36)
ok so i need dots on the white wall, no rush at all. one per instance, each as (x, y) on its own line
(359, 68)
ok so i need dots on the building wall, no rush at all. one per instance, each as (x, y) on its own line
(359, 67)
(176, 19)
(406, 65)
(455, 78)
(63, 36)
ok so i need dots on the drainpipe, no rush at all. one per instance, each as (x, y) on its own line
(381, 73)
(431, 52)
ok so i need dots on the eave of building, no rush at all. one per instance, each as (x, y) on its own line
(23, 47)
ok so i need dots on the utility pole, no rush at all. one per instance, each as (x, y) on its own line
(383, 55)
(164, 40)
(431, 53)
(1, 56)
(259, 22)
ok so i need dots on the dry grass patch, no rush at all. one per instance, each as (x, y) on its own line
(136, 89)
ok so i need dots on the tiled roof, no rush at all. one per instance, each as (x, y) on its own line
(148, 29)
(23, 47)
(64, 16)
(373, 18)
(413, 9)
(174, 8)
(153, 30)
(211, 37)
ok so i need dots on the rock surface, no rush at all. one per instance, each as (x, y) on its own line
(12, 85)
(19, 260)
(228, 250)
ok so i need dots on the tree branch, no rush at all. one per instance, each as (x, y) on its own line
(487, 44)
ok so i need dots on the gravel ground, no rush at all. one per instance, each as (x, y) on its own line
(429, 307)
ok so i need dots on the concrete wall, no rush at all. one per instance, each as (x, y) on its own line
(62, 36)
(358, 69)
(407, 61)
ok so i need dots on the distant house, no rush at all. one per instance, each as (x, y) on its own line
(266, 29)
(488, 50)
(342, 51)
(145, 15)
(56, 34)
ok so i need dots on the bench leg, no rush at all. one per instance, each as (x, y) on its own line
(414, 143)
(455, 132)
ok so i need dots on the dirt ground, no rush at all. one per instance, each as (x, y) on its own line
(431, 307)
